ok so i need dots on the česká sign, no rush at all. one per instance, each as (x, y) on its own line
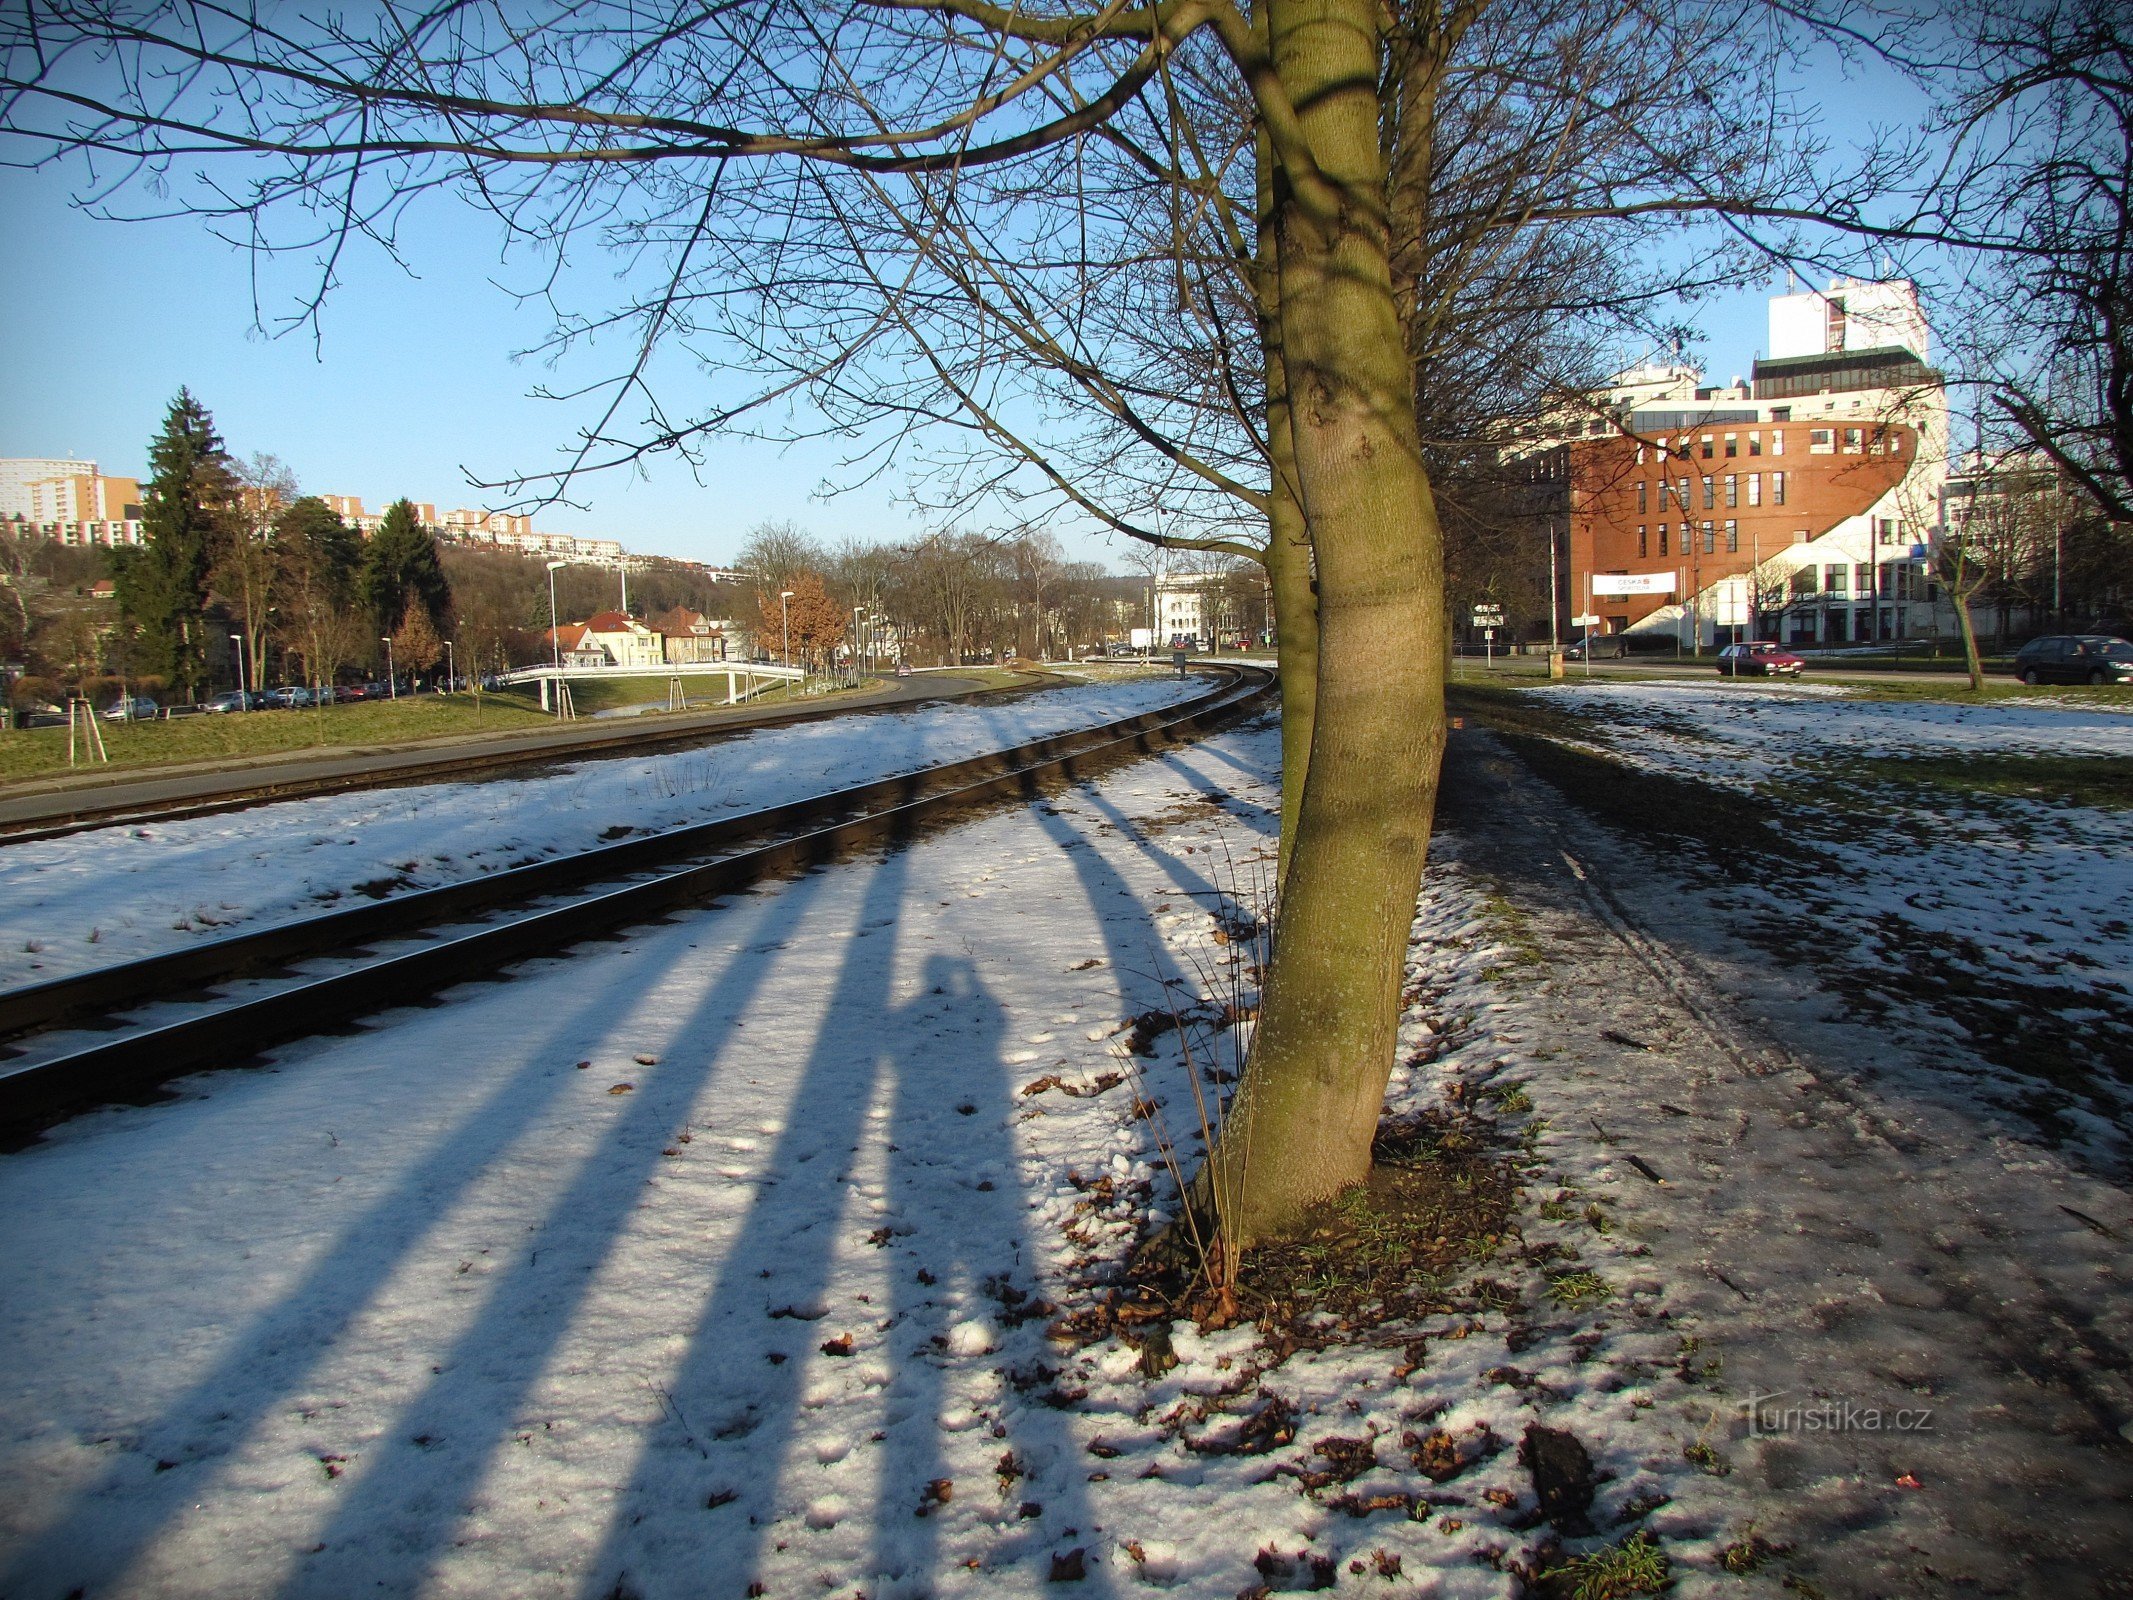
(1618, 583)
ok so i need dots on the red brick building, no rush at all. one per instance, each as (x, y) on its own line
(1800, 505)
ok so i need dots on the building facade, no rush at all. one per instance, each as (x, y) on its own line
(1800, 505)
(68, 501)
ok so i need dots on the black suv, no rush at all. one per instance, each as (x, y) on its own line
(2075, 658)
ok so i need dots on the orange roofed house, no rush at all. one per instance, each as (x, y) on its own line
(1800, 506)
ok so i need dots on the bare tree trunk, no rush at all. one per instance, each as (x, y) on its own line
(1300, 1129)
(1970, 656)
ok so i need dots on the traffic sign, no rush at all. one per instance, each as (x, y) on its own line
(1587, 621)
(1488, 616)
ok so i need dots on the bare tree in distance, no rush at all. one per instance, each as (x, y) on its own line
(247, 565)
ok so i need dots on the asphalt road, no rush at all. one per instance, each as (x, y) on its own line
(45, 802)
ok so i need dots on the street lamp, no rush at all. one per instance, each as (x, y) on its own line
(392, 682)
(555, 635)
(244, 700)
(785, 624)
(451, 669)
(857, 613)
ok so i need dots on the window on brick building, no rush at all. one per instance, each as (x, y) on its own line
(1732, 490)
(1777, 443)
(1710, 493)
(1707, 447)
(1821, 441)
(1641, 496)
(1777, 488)
(1662, 538)
(1732, 445)
(1643, 540)
(1681, 493)
(1837, 579)
(1732, 537)
(1854, 441)
(1755, 444)
(1710, 540)
(1755, 488)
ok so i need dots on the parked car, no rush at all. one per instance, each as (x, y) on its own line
(1600, 646)
(2074, 658)
(132, 708)
(237, 700)
(1762, 659)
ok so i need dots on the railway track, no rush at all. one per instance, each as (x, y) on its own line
(430, 768)
(118, 1033)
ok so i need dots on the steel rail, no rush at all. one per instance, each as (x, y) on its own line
(36, 1092)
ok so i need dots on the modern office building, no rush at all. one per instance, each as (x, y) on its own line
(1800, 504)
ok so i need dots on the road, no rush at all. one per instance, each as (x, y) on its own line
(45, 802)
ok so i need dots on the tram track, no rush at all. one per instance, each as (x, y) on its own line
(433, 766)
(71, 1044)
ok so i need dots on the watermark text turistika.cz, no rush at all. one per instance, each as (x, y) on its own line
(1770, 1414)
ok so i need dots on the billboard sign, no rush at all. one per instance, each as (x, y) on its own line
(1621, 583)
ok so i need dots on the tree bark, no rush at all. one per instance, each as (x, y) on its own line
(1288, 549)
(1301, 1126)
(1970, 658)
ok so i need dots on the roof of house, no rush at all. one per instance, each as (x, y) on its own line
(681, 620)
(612, 622)
(569, 635)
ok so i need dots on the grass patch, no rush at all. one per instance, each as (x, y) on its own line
(1614, 1572)
(2103, 781)
(40, 752)
(1996, 689)
(1575, 1289)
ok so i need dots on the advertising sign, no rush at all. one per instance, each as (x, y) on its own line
(1619, 583)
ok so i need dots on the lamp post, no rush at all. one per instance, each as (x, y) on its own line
(555, 635)
(857, 613)
(244, 700)
(785, 625)
(392, 683)
(451, 669)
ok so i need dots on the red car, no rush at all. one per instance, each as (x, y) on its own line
(1762, 659)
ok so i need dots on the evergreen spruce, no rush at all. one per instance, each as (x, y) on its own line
(401, 569)
(163, 588)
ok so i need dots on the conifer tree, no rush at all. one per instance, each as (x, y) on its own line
(400, 569)
(163, 588)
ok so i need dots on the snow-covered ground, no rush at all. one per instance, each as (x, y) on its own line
(720, 1260)
(93, 899)
(1966, 915)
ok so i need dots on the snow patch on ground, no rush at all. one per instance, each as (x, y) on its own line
(484, 1301)
(115, 894)
(2010, 911)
